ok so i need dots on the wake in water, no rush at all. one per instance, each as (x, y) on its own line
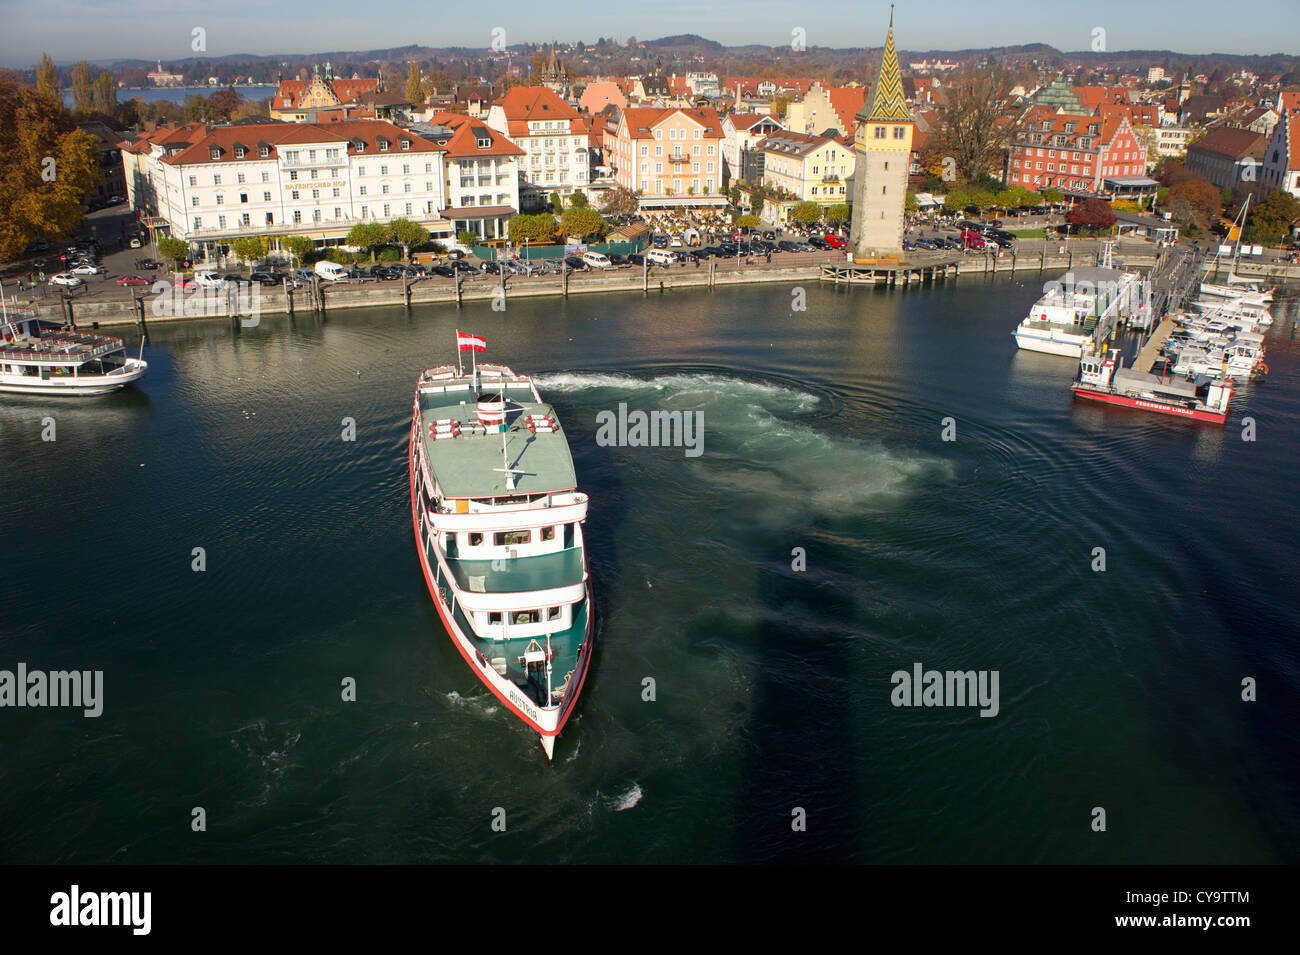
(752, 430)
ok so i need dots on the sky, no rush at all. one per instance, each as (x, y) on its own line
(106, 30)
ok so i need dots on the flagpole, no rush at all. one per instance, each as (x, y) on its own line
(460, 368)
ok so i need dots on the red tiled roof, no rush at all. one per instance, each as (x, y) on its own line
(523, 104)
(1234, 143)
(346, 90)
(750, 120)
(464, 142)
(276, 135)
(641, 121)
(846, 101)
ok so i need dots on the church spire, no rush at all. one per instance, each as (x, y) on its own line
(887, 101)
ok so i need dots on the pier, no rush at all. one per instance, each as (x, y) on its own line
(890, 271)
(1171, 280)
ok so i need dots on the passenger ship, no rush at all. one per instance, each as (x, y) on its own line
(498, 522)
(44, 358)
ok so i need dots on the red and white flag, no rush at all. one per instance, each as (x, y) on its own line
(470, 342)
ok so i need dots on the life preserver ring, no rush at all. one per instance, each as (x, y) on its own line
(1262, 368)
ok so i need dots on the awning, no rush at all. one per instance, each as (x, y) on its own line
(477, 212)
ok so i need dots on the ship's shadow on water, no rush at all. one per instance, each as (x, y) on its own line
(798, 788)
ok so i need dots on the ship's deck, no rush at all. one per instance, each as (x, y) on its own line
(463, 466)
(519, 575)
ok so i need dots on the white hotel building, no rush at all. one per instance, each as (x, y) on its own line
(210, 185)
(553, 139)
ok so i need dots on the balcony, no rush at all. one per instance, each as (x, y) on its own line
(676, 158)
(303, 163)
(830, 177)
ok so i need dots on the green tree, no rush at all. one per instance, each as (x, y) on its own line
(368, 236)
(298, 246)
(103, 93)
(82, 97)
(196, 108)
(756, 203)
(249, 249)
(557, 204)
(839, 213)
(1269, 223)
(48, 167)
(1052, 195)
(583, 223)
(910, 204)
(578, 200)
(748, 222)
(47, 77)
(407, 234)
(466, 238)
(173, 250)
(806, 213)
(532, 229)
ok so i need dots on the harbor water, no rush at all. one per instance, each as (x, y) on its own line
(884, 482)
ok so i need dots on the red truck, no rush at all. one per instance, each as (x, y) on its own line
(834, 240)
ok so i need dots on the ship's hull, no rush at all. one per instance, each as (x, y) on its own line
(1049, 346)
(1146, 404)
(546, 722)
(85, 386)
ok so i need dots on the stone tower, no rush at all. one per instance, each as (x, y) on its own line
(882, 153)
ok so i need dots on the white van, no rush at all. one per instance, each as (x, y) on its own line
(331, 271)
(660, 257)
(597, 260)
(208, 280)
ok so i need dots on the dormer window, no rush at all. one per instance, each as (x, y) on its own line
(383, 144)
(215, 152)
(1093, 129)
(1069, 127)
(1047, 124)
(485, 144)
(239, 152)
(406, 145)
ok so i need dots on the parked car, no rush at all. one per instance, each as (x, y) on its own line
(926, 244)
(132, 279)
(817, 242)
(183, 281)
(265, 278)
(136, 242)
(445, 271)
(785, 245)
(490, 268)
(384, 273)
(636, 258)
(597, 260)
(331, 271)
(147, 264)
(460, 265)
(770, 235)
(660, 257)
(209, 280)
(617, 260)
(68, 279)
(87, 268)
(576, 263)
(835, 241)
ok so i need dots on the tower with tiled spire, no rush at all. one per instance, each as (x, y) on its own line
(882, 154)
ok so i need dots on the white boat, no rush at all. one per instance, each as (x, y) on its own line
(498, 524)
(44, 358)
(1065, 321)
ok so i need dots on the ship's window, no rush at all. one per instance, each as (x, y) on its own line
(494, 617)
(548, 533)
(475, 540)
(554, 613)
(512, 538)
(525, 616)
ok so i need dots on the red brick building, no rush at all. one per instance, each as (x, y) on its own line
(1073, 153)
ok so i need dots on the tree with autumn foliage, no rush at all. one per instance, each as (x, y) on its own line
(1195, 201)
(1091, 214)
(48, 167)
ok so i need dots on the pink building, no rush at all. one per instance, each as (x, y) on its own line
(672, 156)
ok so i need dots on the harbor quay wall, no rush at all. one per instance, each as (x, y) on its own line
(387, 294)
